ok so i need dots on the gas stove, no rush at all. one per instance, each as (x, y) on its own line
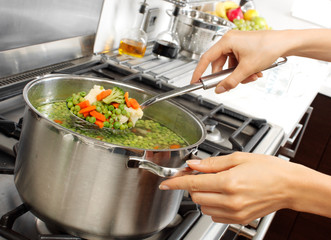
(228, 131)
(53, 37)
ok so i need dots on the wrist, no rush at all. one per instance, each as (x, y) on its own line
(291, 44)
(309, 191)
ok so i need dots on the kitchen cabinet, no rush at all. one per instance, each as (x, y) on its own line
(314, 152)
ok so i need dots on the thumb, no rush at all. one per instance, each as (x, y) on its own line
(215, 164)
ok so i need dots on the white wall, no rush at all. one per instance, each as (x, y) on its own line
(118, 17)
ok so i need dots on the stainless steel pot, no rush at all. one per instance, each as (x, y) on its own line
(197, 31)
(82, 185)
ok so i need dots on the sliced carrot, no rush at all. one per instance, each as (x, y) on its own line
(98, 116)
(126, 96)
(58, 121)
(88, 109)
(173, 146)
(134, 104)
(103, 94)
(84, 104)
(156, 147)
(99, 123)
(115, 104)
(86, 114)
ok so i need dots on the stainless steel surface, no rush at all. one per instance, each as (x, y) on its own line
(179, 3)
(264, 226)
(292, 144)
(140, 162)
(206, 229)
(44, 54)
(197, 31)
(82, 185)
(206, 82)
(242, 230)
(40, 33)
(246, 5)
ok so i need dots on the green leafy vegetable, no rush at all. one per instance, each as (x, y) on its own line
(117, 95)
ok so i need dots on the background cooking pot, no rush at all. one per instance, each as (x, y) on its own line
(197, 31)
(82, 185)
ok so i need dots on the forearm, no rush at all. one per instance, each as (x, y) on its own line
(310, 191)
(311, 43)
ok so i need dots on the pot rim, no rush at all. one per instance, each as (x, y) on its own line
(216, 24)
(95, 141)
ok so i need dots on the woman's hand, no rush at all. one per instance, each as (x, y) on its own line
(254, 51)
(250, 51)
(239, 187)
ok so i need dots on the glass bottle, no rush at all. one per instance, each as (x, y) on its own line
(135, 41)
(167, 42)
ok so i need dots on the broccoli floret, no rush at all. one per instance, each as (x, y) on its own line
(117, 95)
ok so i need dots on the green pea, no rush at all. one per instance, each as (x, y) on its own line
(118, 111)
(77, 108)
(117, 125)
(81, 99)
(70, 104)
(130, 124)
(111, 107)
(106, 124)
(69, 99)
(83, 94)
(121, 106)
(98, 109)
(92, 119)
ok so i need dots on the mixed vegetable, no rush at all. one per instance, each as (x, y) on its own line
(146, 133)
(109, 108)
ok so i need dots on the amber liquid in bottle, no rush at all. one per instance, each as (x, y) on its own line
(132, 48)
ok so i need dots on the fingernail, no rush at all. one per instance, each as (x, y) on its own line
(193, 162)
(163, 187)
(220, 89)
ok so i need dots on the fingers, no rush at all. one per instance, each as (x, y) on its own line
(213, 54)
(240, 73)
(216, 164)
(206, 182)
(200, 68)
(193, 183)
(218, 64)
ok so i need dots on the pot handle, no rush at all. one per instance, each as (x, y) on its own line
(140, 162)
